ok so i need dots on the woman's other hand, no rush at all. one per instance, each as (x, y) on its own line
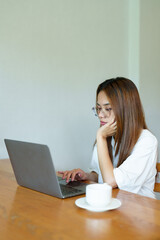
(74, 175)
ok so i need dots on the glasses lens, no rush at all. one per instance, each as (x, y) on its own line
(94, 111)
(106, 112)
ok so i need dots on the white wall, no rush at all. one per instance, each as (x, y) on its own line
(53, 54)
(150, 63)
(133, 40)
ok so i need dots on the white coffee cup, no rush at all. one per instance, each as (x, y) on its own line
(98, 195)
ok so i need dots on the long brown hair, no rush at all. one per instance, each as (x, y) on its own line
(126, 104)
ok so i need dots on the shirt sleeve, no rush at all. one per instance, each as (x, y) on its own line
(94, 166)
(139, 166)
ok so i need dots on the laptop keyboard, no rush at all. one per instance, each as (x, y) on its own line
(76, 184)
(68, 190)
(71, 183)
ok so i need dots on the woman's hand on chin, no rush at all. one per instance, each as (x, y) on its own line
(107, 130)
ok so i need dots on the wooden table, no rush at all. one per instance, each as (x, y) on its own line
(27, 215)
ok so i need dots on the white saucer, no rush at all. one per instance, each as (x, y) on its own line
(81, 202)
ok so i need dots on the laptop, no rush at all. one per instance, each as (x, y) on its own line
(33, 168)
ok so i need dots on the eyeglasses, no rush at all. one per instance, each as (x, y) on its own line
(106, 111)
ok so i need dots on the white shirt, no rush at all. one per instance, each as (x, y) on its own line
(137, 173)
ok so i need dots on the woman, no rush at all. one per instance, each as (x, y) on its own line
(125, 153)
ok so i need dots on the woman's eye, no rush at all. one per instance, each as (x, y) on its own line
(108, 109)
(98, 109)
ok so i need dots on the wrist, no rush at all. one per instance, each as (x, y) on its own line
(87, 177)
(100, 136)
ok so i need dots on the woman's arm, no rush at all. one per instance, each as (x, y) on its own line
(105, 163)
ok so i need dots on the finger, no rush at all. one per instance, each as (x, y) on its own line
(68, 176)
(114, 124)
(65, 174)
(61, 172)
(113, 120)
(78, 177)
(75, 175)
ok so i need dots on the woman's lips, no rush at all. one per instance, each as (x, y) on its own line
(103, 123)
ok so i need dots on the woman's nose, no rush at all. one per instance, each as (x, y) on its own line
(101, 114)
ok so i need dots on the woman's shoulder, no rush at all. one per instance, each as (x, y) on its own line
(147, 143)
(148, 138)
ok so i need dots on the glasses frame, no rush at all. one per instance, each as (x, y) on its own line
(94, 109)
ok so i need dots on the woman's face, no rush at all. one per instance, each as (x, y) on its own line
(104, 109)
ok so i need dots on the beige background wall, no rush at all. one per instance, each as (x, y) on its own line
(54, 53)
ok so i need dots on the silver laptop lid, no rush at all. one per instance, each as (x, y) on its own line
(33, 166)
